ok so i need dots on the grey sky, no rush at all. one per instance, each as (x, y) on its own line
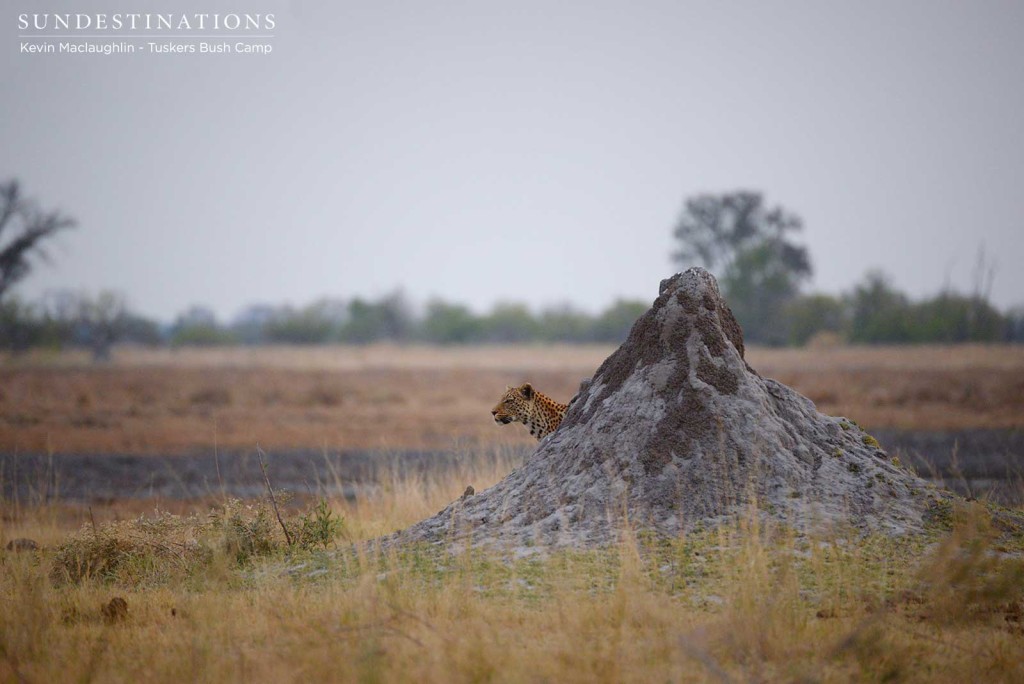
(535, 151)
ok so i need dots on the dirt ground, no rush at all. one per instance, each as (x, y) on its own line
(385, 397)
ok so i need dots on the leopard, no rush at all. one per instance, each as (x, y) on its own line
(538, 412)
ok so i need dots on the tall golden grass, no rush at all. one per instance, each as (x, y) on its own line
(744, 602)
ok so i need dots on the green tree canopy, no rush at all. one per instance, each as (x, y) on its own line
(564, 323)
(809, 315)
(198, 327)
(450, 323)
(749, 247)
(614, 324)
(880, 313)
(387, 318)
(510, 323)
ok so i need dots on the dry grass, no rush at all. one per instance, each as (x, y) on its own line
(212, 592)
(165, 402)
(913, 388)
(737, 604)
(387, 397)
(381, 356)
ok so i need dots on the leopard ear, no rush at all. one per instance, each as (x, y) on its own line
(527, 390)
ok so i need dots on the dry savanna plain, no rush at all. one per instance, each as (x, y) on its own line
(214, 588)
(385, 397)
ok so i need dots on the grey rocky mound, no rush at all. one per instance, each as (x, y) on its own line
(676, 430)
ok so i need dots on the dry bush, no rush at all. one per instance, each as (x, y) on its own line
(968, 578)
(164, 548)
(147, 550)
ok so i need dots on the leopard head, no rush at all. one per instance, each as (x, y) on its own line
(515, 405)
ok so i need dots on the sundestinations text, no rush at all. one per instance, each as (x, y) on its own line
(146, 22)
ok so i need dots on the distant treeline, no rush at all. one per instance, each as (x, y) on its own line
(361, 321)
(70, 320)
(737, 235)
(876, 313)
(872, 313)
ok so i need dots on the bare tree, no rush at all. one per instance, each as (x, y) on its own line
(984, 275)
(23, 227)
(103, 321)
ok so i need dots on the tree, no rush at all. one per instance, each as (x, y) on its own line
(951, 318)
(509, 322)
(615, 322)
(449, 323)
(23, 227)
(250, 325)
(563, 323)
(809, 315)
(19, 325)
(317, 323)
(1015, 324)
(198, 327)
(138, 329)
(103, 321)
(67, 318)
(880, 312)
(748, 246)
(388, 318)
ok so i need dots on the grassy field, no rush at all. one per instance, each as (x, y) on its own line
(212, 590)
(386, 397)
(217, 594)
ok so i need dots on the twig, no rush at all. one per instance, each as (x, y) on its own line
(942, 642)
(385, 625)
(705, 659)
(273, 500)
(95, 533)
(400, 633)
(417, 618)
(216, 462)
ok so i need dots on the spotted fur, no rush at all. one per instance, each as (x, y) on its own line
(538, 412)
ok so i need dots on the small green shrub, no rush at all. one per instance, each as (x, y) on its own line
(319, 527)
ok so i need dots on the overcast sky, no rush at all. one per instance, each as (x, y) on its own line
(535, 151)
